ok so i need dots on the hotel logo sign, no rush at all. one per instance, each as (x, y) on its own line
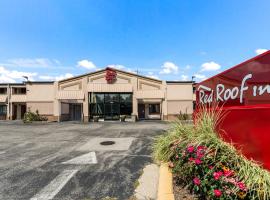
(222, 94)
(111, 75)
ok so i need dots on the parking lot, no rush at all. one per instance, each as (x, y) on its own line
(66, 161)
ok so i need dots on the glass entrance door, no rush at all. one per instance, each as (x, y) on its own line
(112, 111)
(112, 107)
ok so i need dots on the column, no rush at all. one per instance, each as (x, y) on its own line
(56, 104)
(86, 100)
(164, 103)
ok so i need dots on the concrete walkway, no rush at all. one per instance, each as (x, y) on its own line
(148, 183)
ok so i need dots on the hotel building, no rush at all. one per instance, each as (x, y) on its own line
(107, 93)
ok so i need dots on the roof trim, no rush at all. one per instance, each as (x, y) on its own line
(40, 82)
(28, 82)
(232, 68)
(117, 70)
(12, 84)
(180, 82)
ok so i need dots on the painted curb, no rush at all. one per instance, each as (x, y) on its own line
(165, 186)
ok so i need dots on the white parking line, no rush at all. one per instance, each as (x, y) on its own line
(55, 185)
(85, 159)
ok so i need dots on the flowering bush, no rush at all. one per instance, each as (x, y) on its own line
(209, 166)
(205, 178)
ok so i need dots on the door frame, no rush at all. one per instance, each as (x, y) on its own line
(141, 110)
(72, 111)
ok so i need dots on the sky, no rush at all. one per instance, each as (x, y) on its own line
(164, 39)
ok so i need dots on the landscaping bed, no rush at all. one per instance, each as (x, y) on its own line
(206, 167)
(180, 191)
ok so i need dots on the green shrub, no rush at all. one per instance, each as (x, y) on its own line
(209, 166)
(31, 116)
(183, 116)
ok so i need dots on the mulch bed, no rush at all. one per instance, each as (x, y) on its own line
(180, 191)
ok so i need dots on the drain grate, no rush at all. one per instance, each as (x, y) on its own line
(107, 143)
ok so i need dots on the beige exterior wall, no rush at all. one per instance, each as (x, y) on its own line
(44, 108)
(179, 99)
(179, 91)
(174, 107)
(53, 99)
(40, 96)
(39, 92)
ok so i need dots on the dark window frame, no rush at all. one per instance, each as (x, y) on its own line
(3, 90)
(152, 107)
(3, 109)
(125, 107)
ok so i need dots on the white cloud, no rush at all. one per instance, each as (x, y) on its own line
(116, 66)
(12, 76)
(168, 68)
(187, 67)
(210, 66)
(87, 64)
(200, 76)
(122, 67)
(260, 51)
(56, 78)
(47, 78)
(152, 75)
(33, 62)
(184, 77)
(65, 76)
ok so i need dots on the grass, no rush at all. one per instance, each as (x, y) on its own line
(203, 132)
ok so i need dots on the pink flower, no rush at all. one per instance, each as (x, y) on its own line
(230, 180)
(217, 175)
(211, 167)
(241, 186)
(196, 181)
(217, 193)
(198, 161)
(228, 173)
(190, 149)
(176, 156)
(191, 159)
(199, 154)
(201, 148)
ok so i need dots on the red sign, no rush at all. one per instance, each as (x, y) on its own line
(110, 75)
(244, 93)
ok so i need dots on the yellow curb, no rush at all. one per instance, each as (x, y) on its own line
(165, 187)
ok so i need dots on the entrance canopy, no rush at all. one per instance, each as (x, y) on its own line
(103, 87)
(70, 95)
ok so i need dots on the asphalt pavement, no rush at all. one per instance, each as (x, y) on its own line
(65, 161)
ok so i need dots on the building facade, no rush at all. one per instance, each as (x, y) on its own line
(108, 93)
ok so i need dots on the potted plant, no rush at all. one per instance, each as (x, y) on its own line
(95, 118)
(122, 118)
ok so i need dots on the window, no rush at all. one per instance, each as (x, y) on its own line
(97, 98)
(111, 97)
(3, 109)
(154, 109)
(110, 105)
(125, 98)
(3, 90)
(125, 104)
(97, 109)
(19, 90)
